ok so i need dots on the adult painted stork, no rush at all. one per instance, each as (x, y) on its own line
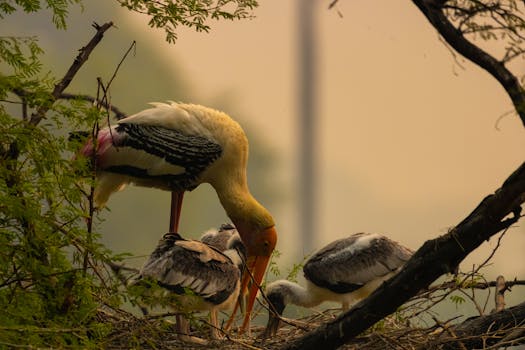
(344, 271)
(176, 147)
(196, 277)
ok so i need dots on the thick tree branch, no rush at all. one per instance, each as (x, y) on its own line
(81, 58)
(435, 258)
(433, 10)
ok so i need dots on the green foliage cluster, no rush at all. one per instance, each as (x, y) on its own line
(48, 261)
(292, 273)
(21, 54)
(169, 14)
(498, 20)
(53, 276)
(58, 8)
(51, 280)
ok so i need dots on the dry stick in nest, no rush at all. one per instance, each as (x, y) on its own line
(448, 329)
(464, 335)
(499, 297)
(475, 285)
(454, 285)
(117, 268)
(484, 331)
(501, 287)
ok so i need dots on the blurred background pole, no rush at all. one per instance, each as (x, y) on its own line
(307, 107)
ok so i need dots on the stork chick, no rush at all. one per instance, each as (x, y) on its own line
(197, 276)
(218, 239)
(344, 271)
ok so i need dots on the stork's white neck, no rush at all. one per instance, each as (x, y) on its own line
(294, 293)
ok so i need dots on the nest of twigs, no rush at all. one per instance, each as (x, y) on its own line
(413, 326)
(159, 332)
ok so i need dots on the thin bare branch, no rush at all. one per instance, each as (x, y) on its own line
(119, 114)
(434, 11)
(81, 58)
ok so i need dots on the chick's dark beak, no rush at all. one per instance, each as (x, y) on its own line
(276, 307)
(272, 326)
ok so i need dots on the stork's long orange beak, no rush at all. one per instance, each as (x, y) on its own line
(257, 266)
(257, 262)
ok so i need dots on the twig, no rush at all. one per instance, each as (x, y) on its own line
(452, 52)
(118, 267)
(81, 58)
(270, 306)
(119, 114)
(106, 99)
(33, 329)
(13, 346)
(332, 4)
(228, 336)
(132, 46)
(500, 118)
(476, 285)
(450, 332)
(91, 196)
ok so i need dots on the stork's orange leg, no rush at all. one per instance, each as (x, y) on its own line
(176, 207)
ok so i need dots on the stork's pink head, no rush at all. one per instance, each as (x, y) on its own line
(105, 139)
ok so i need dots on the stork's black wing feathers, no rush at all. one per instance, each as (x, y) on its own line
(192, 152)
(176, 147)
(346, 265)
